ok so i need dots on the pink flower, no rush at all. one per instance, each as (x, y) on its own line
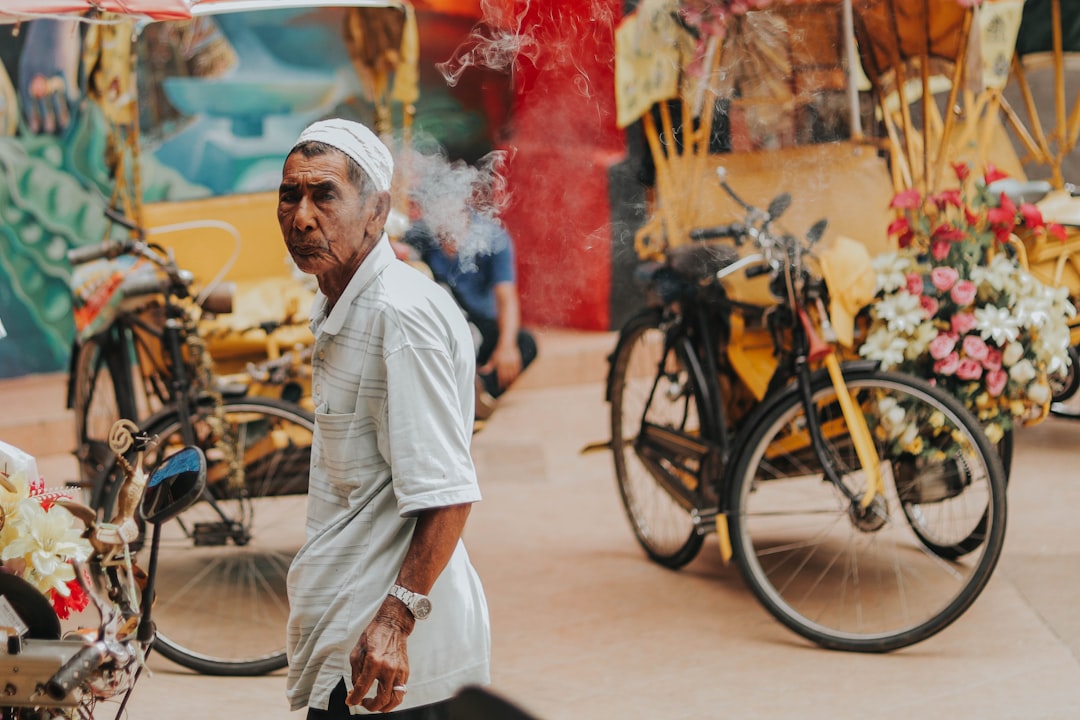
(963, 322)
(963, 293)
(995, 381)
(969, 369)
(929, 305)
(942, 345)
(975, 348)
(947, 365)
(944, 278)
(914, 283)
(940, 247)
(992, 361)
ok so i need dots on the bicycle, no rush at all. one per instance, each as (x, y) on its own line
(223, 606)
(50, 674)
(865, 508)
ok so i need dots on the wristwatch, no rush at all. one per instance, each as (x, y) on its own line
(419, 605)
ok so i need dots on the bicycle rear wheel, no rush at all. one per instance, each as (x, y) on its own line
(221, 605)
(865, 580)
(661, 519)
(107, 385)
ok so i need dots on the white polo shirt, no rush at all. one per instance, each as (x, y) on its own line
(393, 386)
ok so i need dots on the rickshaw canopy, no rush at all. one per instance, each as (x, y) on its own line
(20, 10)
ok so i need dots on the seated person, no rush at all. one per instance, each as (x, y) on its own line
(478, 270)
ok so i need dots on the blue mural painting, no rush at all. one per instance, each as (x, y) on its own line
(221, 99)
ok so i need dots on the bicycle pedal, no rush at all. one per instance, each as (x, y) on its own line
(211, 534)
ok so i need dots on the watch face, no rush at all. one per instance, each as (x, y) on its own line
(421, 608)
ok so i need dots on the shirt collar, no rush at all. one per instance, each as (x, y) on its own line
(381, 256)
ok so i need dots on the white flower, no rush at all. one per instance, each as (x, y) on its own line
(997, 324)
(920, 340)
(1012, 354)
(885, 347)
(998, 274)
(1039, 393)
(47, 540)
(1023, 372)
(891, 270)
(901, 311)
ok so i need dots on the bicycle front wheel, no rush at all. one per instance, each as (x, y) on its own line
(852, 575)
(221, 605)
(651, 384)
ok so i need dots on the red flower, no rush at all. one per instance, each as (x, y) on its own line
(900, 226)
(1032, 216)
(946, 198)
(962, 171)
(1056, 230)
(906, 200)
(946, 231)
(75, 602)
(992, 174)
(1004, 215)
(971, 217)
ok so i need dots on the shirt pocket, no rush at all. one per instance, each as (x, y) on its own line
(345, 447)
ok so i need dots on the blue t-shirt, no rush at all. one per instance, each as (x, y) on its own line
(482, 261)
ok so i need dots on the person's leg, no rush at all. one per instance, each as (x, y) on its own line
(338, 710)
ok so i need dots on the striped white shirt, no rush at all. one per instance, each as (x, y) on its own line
(393, 386)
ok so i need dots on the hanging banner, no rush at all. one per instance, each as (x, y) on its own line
(648, 59)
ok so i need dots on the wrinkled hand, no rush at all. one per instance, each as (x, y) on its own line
(48, 74)
(506, 362)
(381, 657)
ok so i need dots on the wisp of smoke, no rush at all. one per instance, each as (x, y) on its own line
(451, 194)
(549, 37)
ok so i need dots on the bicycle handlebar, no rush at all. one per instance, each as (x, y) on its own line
(78, 668)
(732, 230)
(109, 249)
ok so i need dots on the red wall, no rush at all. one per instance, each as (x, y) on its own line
(563, 137)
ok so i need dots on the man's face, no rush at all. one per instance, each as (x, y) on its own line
(328, 226)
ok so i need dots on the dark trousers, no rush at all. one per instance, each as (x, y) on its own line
(489, 334)
(336, 709)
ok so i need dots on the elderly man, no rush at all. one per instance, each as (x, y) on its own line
(387, 612)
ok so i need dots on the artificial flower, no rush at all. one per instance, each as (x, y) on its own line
(955, 307)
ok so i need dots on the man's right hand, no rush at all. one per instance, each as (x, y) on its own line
(381, 656)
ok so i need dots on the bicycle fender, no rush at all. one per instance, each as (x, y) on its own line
(741, 442)
(622, 340)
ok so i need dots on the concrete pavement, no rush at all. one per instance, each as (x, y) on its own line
(585, 627)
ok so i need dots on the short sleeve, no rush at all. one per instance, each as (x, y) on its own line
(428, 448)
(502, 261)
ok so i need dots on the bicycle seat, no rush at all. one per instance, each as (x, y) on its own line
(699, 261)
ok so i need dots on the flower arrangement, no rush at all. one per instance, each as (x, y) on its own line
(955, 307)
(40, 539)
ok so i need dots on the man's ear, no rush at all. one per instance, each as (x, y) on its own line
(379, 215)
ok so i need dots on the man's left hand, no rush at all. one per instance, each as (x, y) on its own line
(381, 656)
(506, 362)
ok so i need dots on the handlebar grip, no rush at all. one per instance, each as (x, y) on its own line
(74, 671)
(89, 253)
(135, 287)
(756, 270)
(715, 232)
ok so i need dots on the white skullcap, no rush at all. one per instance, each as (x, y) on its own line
(356, 141)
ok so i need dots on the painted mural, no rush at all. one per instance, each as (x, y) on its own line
(221, 99)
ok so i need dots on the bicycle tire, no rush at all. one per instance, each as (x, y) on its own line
(221, 603)
(664, 528)
(865, 583)
(952, 549)
(101, 395)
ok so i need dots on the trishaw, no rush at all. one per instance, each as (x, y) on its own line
(223, 89)
(831, 102)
